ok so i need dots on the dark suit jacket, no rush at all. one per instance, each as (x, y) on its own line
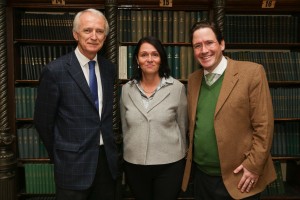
(69, 124)
(243, 125)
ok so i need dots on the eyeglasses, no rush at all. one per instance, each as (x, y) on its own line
(207, 44)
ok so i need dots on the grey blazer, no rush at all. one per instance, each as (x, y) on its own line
(156, 135)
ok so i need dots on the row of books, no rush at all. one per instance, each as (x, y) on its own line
(25, 100)
(286, 139)
(42, 198)
(39, 178)
(168, 26)
(276, 187)
(29, 143)
(34, 57)
(261, 29)
(286, 102)
(279, 65)
(48, 25)
(178, 56)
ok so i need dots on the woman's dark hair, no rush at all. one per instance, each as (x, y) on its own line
(164, 70)
(207, 24)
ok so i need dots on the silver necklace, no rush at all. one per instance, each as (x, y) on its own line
(148, 91)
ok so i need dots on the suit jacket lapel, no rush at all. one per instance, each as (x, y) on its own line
(194, 91)
(229, 81)
(104, 75)
(75, 71)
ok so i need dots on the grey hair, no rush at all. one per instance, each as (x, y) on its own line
(94, 11)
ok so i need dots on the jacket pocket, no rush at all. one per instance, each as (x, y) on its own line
(67, 147)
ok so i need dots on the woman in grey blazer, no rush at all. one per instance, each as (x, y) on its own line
(154, 123)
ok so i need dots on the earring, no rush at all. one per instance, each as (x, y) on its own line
(138, 66)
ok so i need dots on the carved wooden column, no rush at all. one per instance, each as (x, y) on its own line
(8, 160)
(219, 13)
(112, 51)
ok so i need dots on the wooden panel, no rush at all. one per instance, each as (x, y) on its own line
(177, 4)
(49, 2)
(256, 5)
(156, 2)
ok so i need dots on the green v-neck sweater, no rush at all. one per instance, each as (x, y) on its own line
(205, 145)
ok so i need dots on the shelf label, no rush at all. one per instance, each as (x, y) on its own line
(268, 4)
(58, 2)
(166, 3)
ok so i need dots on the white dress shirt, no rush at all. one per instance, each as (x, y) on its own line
(83, 61)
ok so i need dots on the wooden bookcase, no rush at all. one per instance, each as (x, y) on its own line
(170, 24)
(267, 32)
(120, 14)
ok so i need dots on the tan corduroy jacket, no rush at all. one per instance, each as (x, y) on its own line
(243, 125)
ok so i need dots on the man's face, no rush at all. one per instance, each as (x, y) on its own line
(207, 50)
(90, 34)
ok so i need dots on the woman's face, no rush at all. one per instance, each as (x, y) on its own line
(148, 59)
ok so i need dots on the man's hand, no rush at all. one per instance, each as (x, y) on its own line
(248, 179)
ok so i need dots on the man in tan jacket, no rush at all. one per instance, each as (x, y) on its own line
(230, 122)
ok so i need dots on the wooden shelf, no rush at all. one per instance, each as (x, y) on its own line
(284, 83)
(38, 4)
(262, 46)
(164, 43)
(177, 5)
(255, 6)
(33, 160)
(24, 120)
(27, 82)
(40, 41)
(286, 157)
(286, 119)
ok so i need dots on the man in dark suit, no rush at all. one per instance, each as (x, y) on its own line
(74, 121)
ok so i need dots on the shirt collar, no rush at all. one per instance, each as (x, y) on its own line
(220, 68)
(81, 58)
(164, 81)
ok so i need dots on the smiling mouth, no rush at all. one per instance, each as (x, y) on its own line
(206, 58)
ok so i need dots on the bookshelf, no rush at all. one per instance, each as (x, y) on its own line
(36, 45)
(170, 24)
(270, 36)
(26, 55)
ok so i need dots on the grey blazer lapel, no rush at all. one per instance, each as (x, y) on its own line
(135, 97)
(159, 96)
